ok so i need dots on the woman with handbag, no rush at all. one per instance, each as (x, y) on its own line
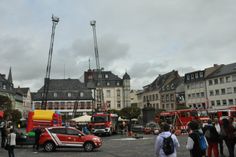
(11, 142)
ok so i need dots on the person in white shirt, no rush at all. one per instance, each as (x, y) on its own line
(11, 141)
(159, 141)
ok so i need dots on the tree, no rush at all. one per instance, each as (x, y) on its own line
(130, 112)
(114, 111)
(13, 115)
(5, 103)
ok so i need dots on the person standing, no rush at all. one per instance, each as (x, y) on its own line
(159, 150)
(212, 136)
(37, 138)
(220, 139)
(11, 141)
(3, 135)
(193, 141)
(229, 131)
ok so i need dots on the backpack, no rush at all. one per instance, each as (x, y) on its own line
(202, 142)
(168, 145)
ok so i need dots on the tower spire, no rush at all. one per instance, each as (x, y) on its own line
(10, 76)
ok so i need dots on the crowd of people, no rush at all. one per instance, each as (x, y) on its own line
(202, 141)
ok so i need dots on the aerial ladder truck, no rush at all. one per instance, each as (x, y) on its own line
(55, 21)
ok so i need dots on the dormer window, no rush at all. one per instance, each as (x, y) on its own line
(69, 95)
(188, 77)
(106, 75)
(118, 83)
(81, 94)
(201, 74)
(4, 87)
(55, 95)
(108, 83)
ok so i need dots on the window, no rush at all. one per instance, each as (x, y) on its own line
(210, 82)
(81, 94)
(202, 94)
(196, 75)
(118, 94)
(157, 96)
(217, 92)
(193, 95)
(167, 97)
(188, 77)
(212, 103)
(211, 93)
(231, 101)
(233, 77)
(118, 104)
(69, 95)
(224, 102)
(222, 91)
(118, 83)
(108, 104)
(218, 102)
(72, 132)
(234, 89)
(188, 86)
(189, 96)
(171, 97)
(58, 130)
(201, 74)
(55, 95)
(108, 93)
(215, 81)
(229, 90)
(108, 83)
(106, 75)
(192, 76)
(227, 79)
(198, 95)
(4, 87)
(222, 80)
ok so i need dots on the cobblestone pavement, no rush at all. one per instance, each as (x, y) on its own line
(114, 146)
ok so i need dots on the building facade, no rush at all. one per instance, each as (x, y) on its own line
(221, 87)
(115, 91)
(70, 97)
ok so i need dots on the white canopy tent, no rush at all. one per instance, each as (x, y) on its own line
(82, 119)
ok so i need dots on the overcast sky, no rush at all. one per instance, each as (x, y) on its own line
(143, 37)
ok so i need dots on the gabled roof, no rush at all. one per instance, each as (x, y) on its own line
(65, 89)
(224, 70)
(24, 91)
(161, 80)
(64, 84)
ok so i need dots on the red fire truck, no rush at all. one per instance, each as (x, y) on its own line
(104, 123)
(179, 119)
(223, 113)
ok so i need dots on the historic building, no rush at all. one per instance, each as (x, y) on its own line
(160, 94)
(221, 87)
(27, 101)
(70, 97)
(195, 87)
(115, 91)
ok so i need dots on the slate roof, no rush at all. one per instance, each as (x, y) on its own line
(107, 77)
(23, 91)
(172, 85)
(62, 87)
(224, 70)
(126, 76)
(161, 80)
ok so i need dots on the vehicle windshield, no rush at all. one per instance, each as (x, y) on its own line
(202, 113)
(99, 119)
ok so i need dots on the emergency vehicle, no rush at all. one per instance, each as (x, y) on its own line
(62, 137)
(179, 119)
(223, 113)
(104, 123)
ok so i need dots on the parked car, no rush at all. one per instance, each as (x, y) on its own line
(55, 137)
(152, 128)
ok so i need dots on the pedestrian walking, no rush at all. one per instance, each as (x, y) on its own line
(166, 143)
(229, 132)
(11, 142)
(196, 142)
(212, 136)
(38, 132)
(3, 135)
(220, 139)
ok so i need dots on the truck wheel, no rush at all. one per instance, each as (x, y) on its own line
(49, 146)
(88, 146)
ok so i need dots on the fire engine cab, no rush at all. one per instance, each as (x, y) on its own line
(103, 123)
